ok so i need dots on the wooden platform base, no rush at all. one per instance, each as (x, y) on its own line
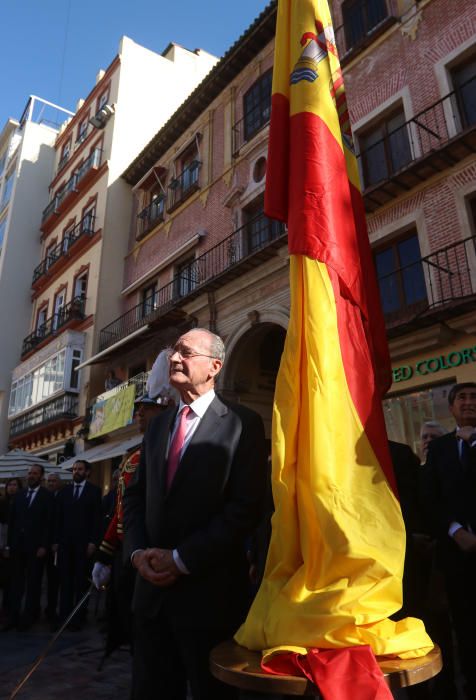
(241, 668)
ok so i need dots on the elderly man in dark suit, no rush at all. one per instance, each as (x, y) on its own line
(77, 535)
(195, 498)
(28, 541)
(451, 466)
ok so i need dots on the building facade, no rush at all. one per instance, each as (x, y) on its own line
(26, 162)
(410, 76)
(84, 228)
(201, 251)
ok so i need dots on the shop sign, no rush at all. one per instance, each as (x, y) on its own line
(431, 365)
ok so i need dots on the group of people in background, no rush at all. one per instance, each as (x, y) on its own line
(52, 531)
(180, 544)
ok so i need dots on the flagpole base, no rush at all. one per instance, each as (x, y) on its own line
(241, 668)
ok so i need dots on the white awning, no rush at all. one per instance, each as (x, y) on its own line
(98, 357)
(106, 450)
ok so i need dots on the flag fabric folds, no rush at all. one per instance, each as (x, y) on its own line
(335, 562)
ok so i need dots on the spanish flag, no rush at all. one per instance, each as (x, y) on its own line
(335, 562)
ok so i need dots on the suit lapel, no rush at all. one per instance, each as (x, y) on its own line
(158, 452)
(207, 429)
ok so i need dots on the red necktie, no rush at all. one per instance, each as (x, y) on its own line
(176, 445)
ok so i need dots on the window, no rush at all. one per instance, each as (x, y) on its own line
(186, 182)
(360, 17)
(74, 374)
(89, 217)
(186, 277)
(7, 190)
(384, 148)
(103, 99)
(46, 380)
(464, 83)
(68, 234)
(82, 130)
(259, 229)
(405, 414)
(257, 105)
(50, 256)
(400, 277)
(80, 286)
(149, 299)
(65, 153)
(3, 160)
(41, 321)
(59, 303)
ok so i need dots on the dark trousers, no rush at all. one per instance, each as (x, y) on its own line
(166, 657)
(74, 569)
(119, 604)
(460, 570)
(52, 586)
(27, 572)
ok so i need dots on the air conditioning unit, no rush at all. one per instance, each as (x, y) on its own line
(101, 117)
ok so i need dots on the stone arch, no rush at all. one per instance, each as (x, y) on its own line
(253, 355)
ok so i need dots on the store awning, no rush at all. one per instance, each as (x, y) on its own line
(106, 450)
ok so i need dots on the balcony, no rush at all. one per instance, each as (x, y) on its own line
(62, 408)
(150, 216)
(77, 181)
(72, 242)
(68, 316)
(433, 140)
(363, 22)
(184, 185)
(243, 250)
(251, 124)
(431, 289)
(139, 381)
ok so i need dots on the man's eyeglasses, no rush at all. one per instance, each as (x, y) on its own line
(186, 354)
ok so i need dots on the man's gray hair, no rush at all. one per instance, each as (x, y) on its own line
(55, 474)
(217, 346)
(435, 425)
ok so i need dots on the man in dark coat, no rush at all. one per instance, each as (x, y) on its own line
(451, 466)
(28, 541)
(78, 533)
(195, 498)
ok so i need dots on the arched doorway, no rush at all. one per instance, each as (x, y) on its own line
(251, 369)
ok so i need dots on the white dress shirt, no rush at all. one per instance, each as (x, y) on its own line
(198, 410)
(33, 493)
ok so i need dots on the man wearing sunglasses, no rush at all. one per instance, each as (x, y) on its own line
(195, 498)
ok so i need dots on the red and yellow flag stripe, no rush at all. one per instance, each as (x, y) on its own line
(335, 563)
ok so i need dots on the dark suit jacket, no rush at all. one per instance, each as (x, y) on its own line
(212, 506)
(78, 521)
(29, 527)
(406, 466)
(451, 486)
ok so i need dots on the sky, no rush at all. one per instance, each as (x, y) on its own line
(54, 48)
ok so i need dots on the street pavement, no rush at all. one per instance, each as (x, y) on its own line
(70, 671)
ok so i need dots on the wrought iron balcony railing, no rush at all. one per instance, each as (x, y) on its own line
(74, 311)
(250, 124)
(183, 185)
(85, 228)
(150, 216)
(431, 286)
(241, 245)
(424, 134)
(63, 407)
(139, 381)
(92, 161)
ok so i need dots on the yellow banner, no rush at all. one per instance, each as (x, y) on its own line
(113, 413)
